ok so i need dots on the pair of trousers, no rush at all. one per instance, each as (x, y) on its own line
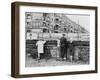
(63, 52)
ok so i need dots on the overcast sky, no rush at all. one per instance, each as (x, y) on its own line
(83, 20)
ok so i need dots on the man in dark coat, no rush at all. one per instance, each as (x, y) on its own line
(63, 47)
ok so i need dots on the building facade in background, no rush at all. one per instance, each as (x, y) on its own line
(52, 25)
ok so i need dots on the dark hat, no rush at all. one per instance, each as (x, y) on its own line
(63, 34)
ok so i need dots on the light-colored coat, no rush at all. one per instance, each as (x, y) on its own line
(40, 46)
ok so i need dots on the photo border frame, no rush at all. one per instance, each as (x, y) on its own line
(15, 32)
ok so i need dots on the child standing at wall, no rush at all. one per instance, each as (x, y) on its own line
(40, 47)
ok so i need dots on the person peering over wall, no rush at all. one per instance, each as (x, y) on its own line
(40, 47)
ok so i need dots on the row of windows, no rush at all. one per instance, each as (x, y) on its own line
(47, 22)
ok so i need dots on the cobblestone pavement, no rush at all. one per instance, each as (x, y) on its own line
(51, 62)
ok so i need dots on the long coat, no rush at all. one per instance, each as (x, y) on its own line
(63, 47)
(40, 45)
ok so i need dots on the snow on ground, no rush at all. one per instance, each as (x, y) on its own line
(51, 62)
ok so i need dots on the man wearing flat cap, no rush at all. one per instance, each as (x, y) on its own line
(63, 47)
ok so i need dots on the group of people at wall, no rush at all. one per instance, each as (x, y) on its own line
(62, 46)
